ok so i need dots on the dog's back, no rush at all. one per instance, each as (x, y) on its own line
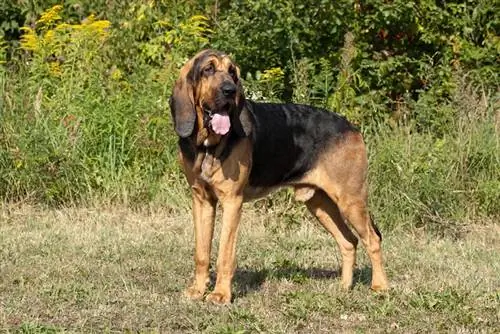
(288, 139)
(233, 150)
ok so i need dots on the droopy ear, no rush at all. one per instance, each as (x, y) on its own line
(182, 103)
(245, 123)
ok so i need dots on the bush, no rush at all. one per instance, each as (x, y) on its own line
(85, 85)
(80, 128)
(437, 179)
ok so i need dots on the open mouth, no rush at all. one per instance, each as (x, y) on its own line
(210, 110)
(218, 119)
(220, 123)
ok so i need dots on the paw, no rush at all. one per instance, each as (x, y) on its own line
(219, 298)
(380, 286)
(346, 285)
(379, 281)
(193, 293)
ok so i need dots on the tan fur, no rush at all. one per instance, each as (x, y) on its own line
(334, 190)
(340, 176)
(226, 183)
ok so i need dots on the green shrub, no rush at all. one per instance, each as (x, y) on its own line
(77, 128)
(435, 179)
(84, 96)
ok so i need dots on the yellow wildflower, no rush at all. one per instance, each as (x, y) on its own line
(50, 16)
(55, 68)
(116, 74)
(98, 27)
(63, 26)
(29, 39)
(272, 74)
(49, 36)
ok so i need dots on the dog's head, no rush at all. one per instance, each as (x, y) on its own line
(209, 94)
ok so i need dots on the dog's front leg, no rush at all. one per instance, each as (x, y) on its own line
(204, 216)
(226, 261)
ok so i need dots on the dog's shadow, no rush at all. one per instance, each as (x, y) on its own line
(247, 280)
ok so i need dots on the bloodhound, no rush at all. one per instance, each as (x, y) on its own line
(233, 150)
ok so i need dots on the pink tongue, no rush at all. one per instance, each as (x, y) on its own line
(221, 124)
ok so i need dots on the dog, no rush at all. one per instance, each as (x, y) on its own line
(233, 150)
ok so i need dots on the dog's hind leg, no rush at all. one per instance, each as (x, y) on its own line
(356, 212)
(347, 186)
(327, 213)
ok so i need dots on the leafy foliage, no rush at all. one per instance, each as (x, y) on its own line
(85, 85)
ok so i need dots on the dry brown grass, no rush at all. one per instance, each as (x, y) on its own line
(94, 270)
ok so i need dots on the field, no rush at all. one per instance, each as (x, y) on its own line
(114, 270)
(95, 227)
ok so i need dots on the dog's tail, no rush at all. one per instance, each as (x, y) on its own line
(375, 228)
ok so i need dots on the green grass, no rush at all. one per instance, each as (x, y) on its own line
(100, 238)
(114, 270)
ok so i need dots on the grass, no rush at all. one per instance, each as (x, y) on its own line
(114, 270)
(107, 244)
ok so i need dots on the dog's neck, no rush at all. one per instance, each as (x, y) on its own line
(208, 158)
(208, 149)
(205, 136)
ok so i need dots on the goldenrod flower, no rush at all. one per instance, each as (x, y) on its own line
(272, 74)
(50, 16)
(49, 36)
(98, 27)
(29, 40)
(55, 69)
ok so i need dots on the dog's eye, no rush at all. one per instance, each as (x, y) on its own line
(233, 74)
(209, 70)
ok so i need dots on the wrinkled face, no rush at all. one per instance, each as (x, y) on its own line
(208, 92)
(217, 89)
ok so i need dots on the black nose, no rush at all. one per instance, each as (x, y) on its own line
(228, 89)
